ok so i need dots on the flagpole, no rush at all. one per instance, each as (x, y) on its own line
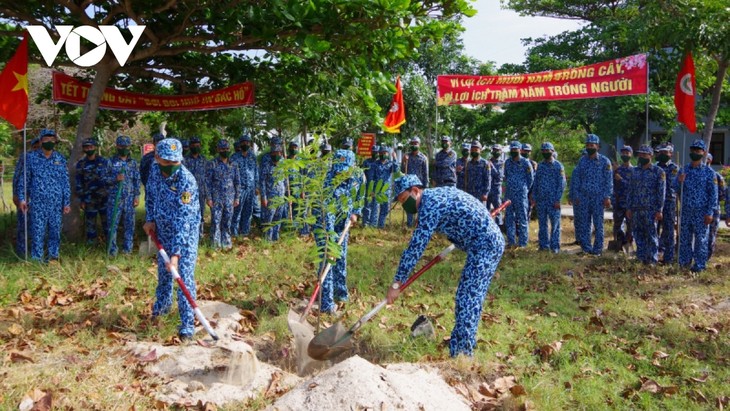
(25, 189)
(648, 138)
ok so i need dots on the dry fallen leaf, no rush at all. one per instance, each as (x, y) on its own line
(17, 357)
(651, 386)
(149, 357)
(517, 390)
(658, 355)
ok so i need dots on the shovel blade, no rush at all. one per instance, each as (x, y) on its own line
(330, 343)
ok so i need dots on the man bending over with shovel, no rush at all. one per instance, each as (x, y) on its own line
(173, 214)
(466, 223)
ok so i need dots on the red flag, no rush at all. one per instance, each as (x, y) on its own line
(684, 93)
(397, 114)
(14, 87)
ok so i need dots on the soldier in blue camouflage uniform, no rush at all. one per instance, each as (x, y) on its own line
(621, 179)
(667, 240)
(467, 224)
(445, 165)
(146, 162)
(223, 184)
(35, 145)
(45, 195)
(460, 164)
(518, 175)
(593, 185)
(272, 184)
(698, 189)
(173, 214)
(248, 172)
(525, 152)
(495, 191)
(383, 171)
(122, 169)
(415, 163)
(645, 201)
(477, 174)
(715, 225)
(334, 287)
(186, 148)
(198, 167)
(368, 167)
(546, 195)
(91, 189)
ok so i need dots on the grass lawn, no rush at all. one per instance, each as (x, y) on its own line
(576, 332)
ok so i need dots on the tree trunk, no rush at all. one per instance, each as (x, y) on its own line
(73, 225)
(722, 67)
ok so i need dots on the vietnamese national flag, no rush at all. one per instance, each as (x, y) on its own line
(14, 87)
(684, 94)
(397, 114)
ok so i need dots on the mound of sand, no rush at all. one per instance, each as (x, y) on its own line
(358, 384)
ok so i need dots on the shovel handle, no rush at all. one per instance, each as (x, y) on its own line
(176, 276)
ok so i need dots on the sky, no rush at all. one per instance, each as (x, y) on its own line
(494, 34)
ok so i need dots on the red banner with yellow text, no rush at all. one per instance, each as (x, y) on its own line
(619, 77)
(365, 144)
(67, 89)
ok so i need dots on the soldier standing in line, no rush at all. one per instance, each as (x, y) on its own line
(91, 189)
(368, 167)
(477, 174)
(593, 185)
(525, 152)
(715, 225)
(546, 195)
(35, 145)
(198, 167)
(382, 174)
(518, 174)
(122, 170)
(645, 202)
(698, 189)
(621, 179)
(224, 184)
(445, 165)
(146, 162)
(272, 185)
(415, 163)
(248, 172)
(460, 164)
(495, 191)
(667, 240)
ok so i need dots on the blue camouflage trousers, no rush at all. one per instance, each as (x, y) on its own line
(645, 236)
(124, 220)
(692, 227)
(272, 217)
(91, 212)
(482, 259)
(516, 219)
(494, 201)
(20, 233)
(548, 239)
(220, 224)
(334, 287)
(712, 234)
(619, 217)
(163, 294)
(241, 222)
(45, 220)
(666, 228)
(590, 213)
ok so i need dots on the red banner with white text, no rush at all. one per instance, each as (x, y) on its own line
(619, 77)
(67, 89)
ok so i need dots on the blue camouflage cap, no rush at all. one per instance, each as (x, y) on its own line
(415, 139)
(375, 149)
(627, 148)
(170, 149)
(223, 144)
(547, 146)
(347, 143)
(293, 143)
(445, 138)
(515, 145)
(35, 141)
(325, 147)
(124, 141)
(194, 140)
(497, 147)
(699, 143)
(47, 132)
(157, 137)
(343, 160)
(592, 139)
(186, 143)
(645, 149)
(384, 149)
(277, 147)
(709, 157)
(245, 137)
(526, 147)
(476, 144)
(404, 183)
(665, 147)
(465, 146)
(275, 141)
(89, 142)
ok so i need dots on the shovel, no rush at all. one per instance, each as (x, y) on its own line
(335, 340)
(198, 314)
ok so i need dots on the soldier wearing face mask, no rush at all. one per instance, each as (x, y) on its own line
(494, 200)
(667, 239)
(477, 174)
(519, 175)
(122, 170)
(621, 179)
(272, 184)
(644, 203)
(415, 163)
(91, 189)
(198, 166)
(715, 225)
(461, 164)
(224, 184)
(368, 166)
(383, 170)
(248, 172)
(45, 195)
(445, 165)
(547, 192)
